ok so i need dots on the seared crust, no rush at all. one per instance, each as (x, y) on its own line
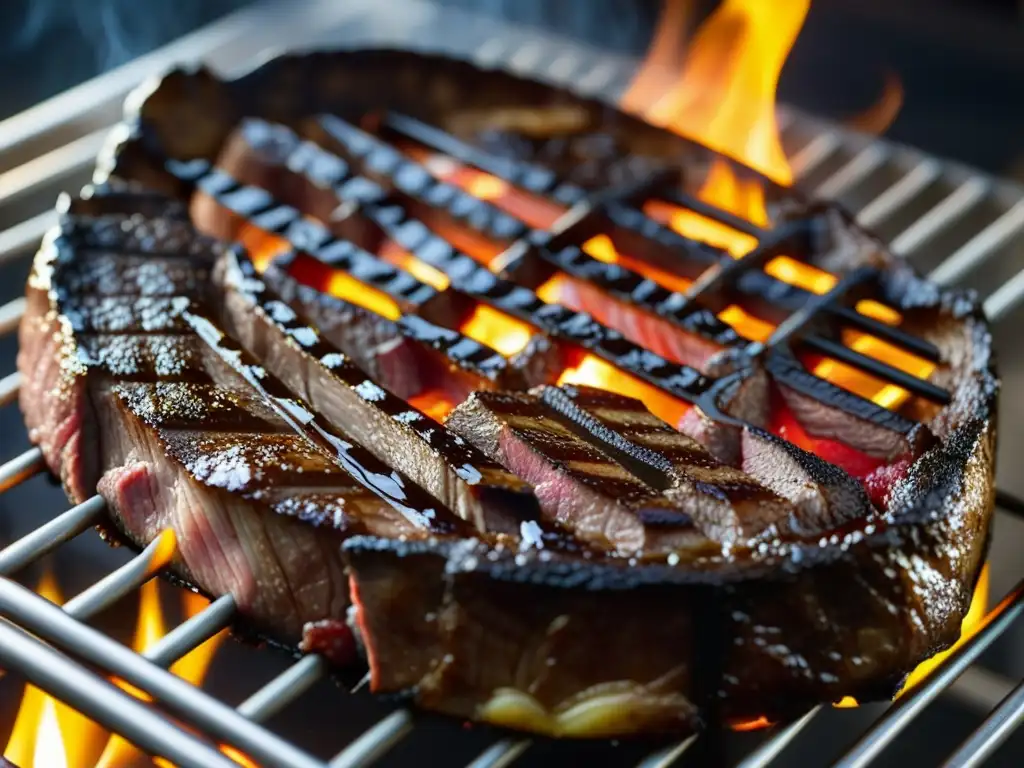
(762, 631)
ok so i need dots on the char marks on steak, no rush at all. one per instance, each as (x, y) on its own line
(726, 504)
(189, 436)
(577, 482)
(456, 474)
(652, 581)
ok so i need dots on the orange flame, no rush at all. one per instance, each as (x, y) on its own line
(503, 333)
(150, 627)
(726, 97)
(47, 733)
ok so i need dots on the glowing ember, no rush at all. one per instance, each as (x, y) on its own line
(501, 332)
(434, 403)
(595, 372)
(347, 288)
(395, 255)
(535, 211)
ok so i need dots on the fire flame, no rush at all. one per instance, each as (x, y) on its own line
(49, 734)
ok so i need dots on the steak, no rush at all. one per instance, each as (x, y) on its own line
(131, 388)
(716, 534)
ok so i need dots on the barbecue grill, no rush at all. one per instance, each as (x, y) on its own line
(961, 218)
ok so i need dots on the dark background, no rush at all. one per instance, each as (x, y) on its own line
(962, 61)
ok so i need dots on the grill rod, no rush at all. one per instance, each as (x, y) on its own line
(994, 731)
(116, 710)
(921, 177)
(220, 721)
(906, 708)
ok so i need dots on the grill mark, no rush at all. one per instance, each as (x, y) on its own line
(540, 427)
(471, 278)
(314, 239)
(677, 456)
(459, 455)
(411, 501)
(425, 193)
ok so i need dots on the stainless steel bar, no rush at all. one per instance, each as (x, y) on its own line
(598, 77)
(192, 632)
(772, 747)
(1005, 298)
(58, 675)
(215, 718)
(815, 152)
(980, 689)
(123, 580)
(105, 93)
(79, 155)
(490, 52)
(978, 249)
(948, 210)
(374, 742)
(283, 689)
(10, 315)
(21, 468)
(664, 758)
(859, 168)
(997, 727)
(500, 754)
(906, 708)
(564, 67)
(24, 238)
(896, 196)
(526, 57)
(9, 386)
(51, 535)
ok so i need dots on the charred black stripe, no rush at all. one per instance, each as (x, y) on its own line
(418, 506)
(455, 450)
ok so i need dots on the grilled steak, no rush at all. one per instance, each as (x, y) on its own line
(553, 558)
(131, 388)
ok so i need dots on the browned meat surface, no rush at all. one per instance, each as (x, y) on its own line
(726, 504)
(123, 394)
(375, 343)
(577, 481)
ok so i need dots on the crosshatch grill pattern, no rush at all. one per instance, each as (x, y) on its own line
(87, 690)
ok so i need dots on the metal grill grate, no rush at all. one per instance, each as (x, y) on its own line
(832, 163)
